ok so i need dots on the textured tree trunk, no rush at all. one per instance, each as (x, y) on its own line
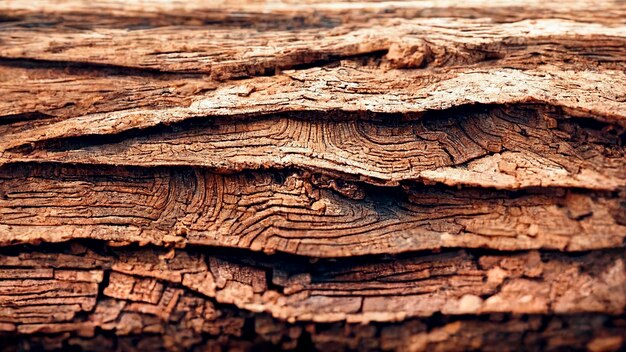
(312, 175)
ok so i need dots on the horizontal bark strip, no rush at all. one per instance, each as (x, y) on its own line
(35, 97)
(597, 333)
(503, 147)
(318, 13)
(60, 6)
(353, 290)
(350, 89)
(153, 300)
(226, 53)
(292, 212)
(116, 103)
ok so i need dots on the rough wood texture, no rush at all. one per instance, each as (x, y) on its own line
(505, 148)
(180, 295)
(312, 175)
(350, 89)
(230, 53)
(296, 213)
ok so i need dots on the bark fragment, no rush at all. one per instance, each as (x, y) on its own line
(506, 148)
(286, 212)
(187, 298)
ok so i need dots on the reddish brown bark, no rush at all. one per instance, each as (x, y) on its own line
(324, 175)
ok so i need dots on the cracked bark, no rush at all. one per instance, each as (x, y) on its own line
(295, 212)
(182, 296)
(309, 175)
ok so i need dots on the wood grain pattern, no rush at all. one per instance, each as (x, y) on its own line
(348, 89)
(503, 148)
(155, 299)
(328, 175)
(313, 216)
(226, 53)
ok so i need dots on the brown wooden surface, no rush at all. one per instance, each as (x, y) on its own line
(312, 175)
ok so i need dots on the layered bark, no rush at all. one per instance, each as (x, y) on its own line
(296, 213)
(313, 175)
(183, 295)
(504, 148)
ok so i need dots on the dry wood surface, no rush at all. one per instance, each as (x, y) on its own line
(324, 175)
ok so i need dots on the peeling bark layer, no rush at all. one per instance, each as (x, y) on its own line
(231, 53)
(183, 297)
(295, 213)
(505, 148)
(312, 175)
(596, 94)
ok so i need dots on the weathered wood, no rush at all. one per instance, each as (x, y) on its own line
(580, 332)
(295, 213)
(421, 175)
(183, 298)
(230, 53)
(586, 94)
(303, 13)
(37, 95)
(502, 148)
(355, 290)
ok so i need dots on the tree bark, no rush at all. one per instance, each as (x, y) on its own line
(317, 175)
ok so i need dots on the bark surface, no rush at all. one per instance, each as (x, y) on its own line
(312, 175)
